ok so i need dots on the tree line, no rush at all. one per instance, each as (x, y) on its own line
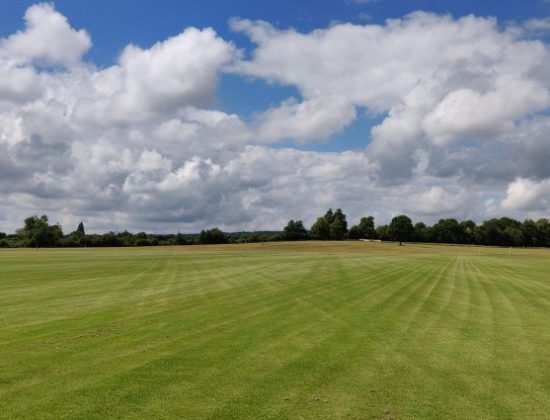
(503, 231)
(38, 232)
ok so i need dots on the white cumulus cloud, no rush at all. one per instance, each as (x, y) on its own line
(527, 194)
(47, 37)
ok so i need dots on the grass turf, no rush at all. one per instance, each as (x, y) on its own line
(295, 330)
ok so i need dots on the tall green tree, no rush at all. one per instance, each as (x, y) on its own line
(355, 233)
(76, 238)
(364, 229)
(38, 233)
(320, 230)
(3, 242)
(530, 232)
(333, 225)
(329, 216)
(448, 231)
(80, 235)
(383, 232)
(469, 231)
(80, 230)
(401, 229)
(502, 232)
(421, 232)
(513, 236)
(295, 231)
(366, 224)
(543, 228)
(213, 236)
(339, 226)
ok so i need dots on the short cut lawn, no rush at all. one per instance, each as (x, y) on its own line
(275, 331)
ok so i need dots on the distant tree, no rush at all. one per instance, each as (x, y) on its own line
(128, 238)
(366, 224)
(320, 229)
(329, 216)
(34, 231)
(543, 227)
(37, 232)
(469, 231)
(530, 233)
(213, 236)
(333, 225)
(76, 238)
(448, 231)
(503, 232)
(355, 233)
(80, 230)
(180, 239)
(401, 229)
(364, 230)
(3, 242)
(142, 239)
(491, 232)
(256, 236)
(339, 226)
(513, 236)
(295, 231)
(109, 239)
(383, 232)
(421, 232)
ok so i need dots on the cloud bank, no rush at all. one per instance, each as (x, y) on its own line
(462, 106)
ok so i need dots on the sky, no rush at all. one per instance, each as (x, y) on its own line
(173, 115)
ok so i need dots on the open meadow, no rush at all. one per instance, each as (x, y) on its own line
(285, 330)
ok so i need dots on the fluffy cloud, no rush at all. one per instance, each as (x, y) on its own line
(157, 82)
(438, 201)
(465, 112)
(142, 144)
(436, 79)
(316, 119)
(47, 38)
(528, 195)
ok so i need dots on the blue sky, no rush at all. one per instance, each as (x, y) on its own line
(119, 114)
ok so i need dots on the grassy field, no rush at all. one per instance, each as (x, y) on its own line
(305, 330)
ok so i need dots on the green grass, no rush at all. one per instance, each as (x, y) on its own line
(305, 330)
